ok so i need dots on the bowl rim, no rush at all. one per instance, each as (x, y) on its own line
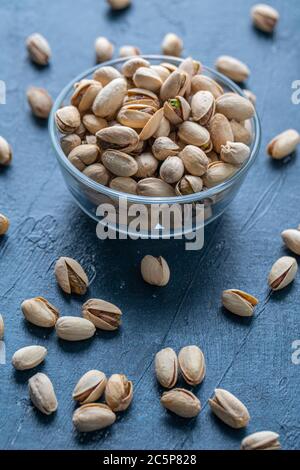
(82, 178)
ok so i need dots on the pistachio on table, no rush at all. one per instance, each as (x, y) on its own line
(93, 417)
(283, 144)
(291, 238)
(104, 49)
(102, 314)
(155, 271)
(4, 224)
(74, 328)
(42, 393)
(262, 440)
(119, 4)
(38, 49)
(264, 17)
(128, 51)
(166, 367)
(90, 387)
(40, 102)
(40, 312)
(28, 357)
(5, 152)
(1, 327)
(181, 402)
(229, 409)
(283, 272)
(70, 276)
(239, 302)
(192, 364)
(118, 392)
(172, 45)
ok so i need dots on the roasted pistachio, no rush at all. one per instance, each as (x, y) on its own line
(192, 364)
(40, 312)
(85, 94)
(164, 147)
(4, 224)
(240, 132)
(102, 314)
(117, 137)
(235, 106)
(217, 173)
(74, 328)
(181, 402)
(283, 272)
(70, 276)
(220, 131)
(264, 17)
(68, 142)
(172, 170)
(232, 68)
(38, 48)
(205, 83)
(147, 165)
(98, 173)
(155, 271)
(39, 101)
(104, 49)
(5, 152)
(107, 74)
(175, 85)
(283, 144)
(152, 125)
(166, 367)
(147, 78)
(194, 159)
(262, 440)
(92, 417)
(239, 302)
(94, 123)
(291, 238)
(131, 66)
(203, 107)
(177, 110)
(229, 409)
(118, 392)
(128, 51)
(124, 184)
(42, 393)
(192, 133)
(90, 387)
(84, 155)
(28, 357)
(172, 45)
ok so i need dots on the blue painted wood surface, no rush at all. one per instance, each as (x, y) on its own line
(251, 358)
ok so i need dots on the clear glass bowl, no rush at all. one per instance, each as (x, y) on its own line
(89, 195)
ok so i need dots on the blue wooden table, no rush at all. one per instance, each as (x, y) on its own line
(251, 358)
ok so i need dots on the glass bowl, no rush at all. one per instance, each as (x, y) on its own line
(89, 195)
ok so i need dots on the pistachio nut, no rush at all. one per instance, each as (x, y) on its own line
(68, 142)
(154, 187)
(291, 238)
(235, 106)
(163, 129)
(177, 110)
(181, 402)
(42, 393)
(240, 132)
(94, 123)
(164, 147)
(38, 49)
(192, 364)
(1, 327)
(81, 131)
(172, 170)
(152, 125)
(119, 4)
(212, 156)
(85, 94)
(90, 139)
(84, 155)
(93, 417)
(98, 173)
(163, 72)
(192, 133)
(262, 440)
(220, 131)
(189, 184)
(283, 144)
(5, 152)
(239, 302)
(175, 85)
(147, 165)
(119, 163)
(155, 271)
(203, 107)
(205, 83)
(190, 66)
(28, 357)
(169, 66)
(250, 96)
(106, 74)
(194, 159)
(131, 66)
(128, 51)
(232, 68)
(90, 387)
(135, 116)
(147, 78)
(235, 153)
(104, 49)
(67, 119)
(166, 367)
(283, 272)
(217, 173)
(229, 409)
(110, 98)
(172, 45)
(118, 392)
(142, 96)
(4, 224)
(40, 312)
(124, 184)
(39, 101)
(264, 17)
(102, 314)
(74, 328)
(70, 276)
(117, 137)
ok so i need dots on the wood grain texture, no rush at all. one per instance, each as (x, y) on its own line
(251, 358)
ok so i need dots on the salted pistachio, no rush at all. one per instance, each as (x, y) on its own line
(40, 312)
(232, 68)
(119, 4)
(239, 302)
(262, 440)
(104, 49)
(177, 110)
(175, 85)
(172, 45)
(5, 152)
(38, 48)
(142, 96)
(192, 364)
(70, 276)
(154, 187)
(147, 78)
(169, 66)
(235, 153)
(283, 144)
(152, 125)
(106, 74)
(163, 72)
(220, 131)
(98, 173)
(264, 17)
(194, 134)
(202, 82)
(42, 393)
(164, 147)
(85, 94)
(90, 387)
(67, 119)
(39, 101)
(68, 142)
(155, 271)
(135, 116)
(181, 402)
(4, 224)
(118, 392)
(84, 155)
(291, 238)
(147, 165)
(81, 131)
(119, 163)
(229, 409)
(110, 98)
(172, 169)
(124, 184)
(240, 132)
(190, 66)
(250, 96)
(128, 51)
(189, 184)
(217, 173)
(203, 107)
(166, 367)
(235, 106)
(212, 156)
(93, 417)
(28, 357)
(194, 159)
(74, 328)
(131, 66)
(102, 314)
(117, 137)
(283, 272)
(1, 327)
(94, 123)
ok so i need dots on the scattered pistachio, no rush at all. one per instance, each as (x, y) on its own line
(119, 4)
(104, 49)
(155, 271)
(40, 102)
(291, 238)
(172, 45)
(166, 367)
(40, 312)
(128, 51)
(97, 172)
(28, 357)
(118, 392)
(102, 314)
(229, 409)
(70, 276)
(5, 152)
(74, 328)
(42, 393)
(172, 170)
(181, 402)
(4, 224)
(262, 440)
(283, 272)
(239, 302)
(192, 364)
(264, 17)
(93, 417)
(38, 48)
(283, 144)
(90, 387)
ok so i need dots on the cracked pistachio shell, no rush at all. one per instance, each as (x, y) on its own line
(4, 224)
(97, 172)
(175, 85)
(104, 49)
(190, 66)
(166, 367)
(164, 147)
(192, 133)
(203, 107)
(67, 119)
(155, 271)
(291, 238)
(93, 417)
(232, 68)
(85, 94)
(172, 170)
(135, 116)
(42, 393)
(194, 159)
(28, 357)
(74, 328)
(217, 173)
(262, 440)
(84, 155)
(118, 137)
(1, 327)
(147, 78)
(142, 96)
(152, 125)
(189, 184)
(172, 45)
(39, 101)
(240, 132)
(38, 49)
(119, 163)
(131, 66)
(239, 302)
(220, 131)
(192, 364)
(147, 165)
(102, 314)
(181, 402)
(118, 392)
(69, 142)
(264, 17)
(70, 276)
(177, 110)
(204, 83)
(40, 312)
(94, 123)
(5, 152)
(129, 51)
(235, 153)
(283, 144)
(283, 272)
(154, 187)
(124, 184)
(229, 409)
(110, 98)
(106, 74)
(90, 387)
(235, 106)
